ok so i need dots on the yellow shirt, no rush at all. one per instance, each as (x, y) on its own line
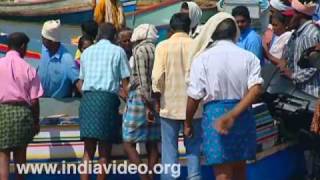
(107, 12)
(169, 75)
(78, 55)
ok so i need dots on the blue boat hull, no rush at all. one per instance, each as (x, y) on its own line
(285, 165)
(70, 18)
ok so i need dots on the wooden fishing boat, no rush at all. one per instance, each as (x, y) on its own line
(67, 10)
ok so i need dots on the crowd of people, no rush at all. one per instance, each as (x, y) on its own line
(201, 81)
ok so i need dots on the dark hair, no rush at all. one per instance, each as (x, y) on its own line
(83, 39)
(226, 30)
(280, 17)
(180, 22)
(106, 31)
(241, 11)
(90, 28)
(184, 5)
(286, 2)
(17, 40)
(125, 29)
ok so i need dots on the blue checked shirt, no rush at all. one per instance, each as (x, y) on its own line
(103, 66)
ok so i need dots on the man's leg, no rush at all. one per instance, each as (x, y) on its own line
(153, 154)
(4, 164)
(19, 157)
(169, 144)
(88, 155)
(105, 150)
(134, 157)
(223, 172)
(193, 151)
(240, 170)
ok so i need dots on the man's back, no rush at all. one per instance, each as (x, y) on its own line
(20, 79)
(169, 74)
(224, 72)
(103, 65)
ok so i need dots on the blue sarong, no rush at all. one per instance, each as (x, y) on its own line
(99, 116)
(238, 145)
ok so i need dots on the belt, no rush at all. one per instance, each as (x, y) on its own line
(16, 103)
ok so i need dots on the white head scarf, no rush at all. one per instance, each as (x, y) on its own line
(195, 14)
(280, 6)
(143, 32)
(51, 30)
(204, 38)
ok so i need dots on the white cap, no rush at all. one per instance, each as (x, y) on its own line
(51, 30)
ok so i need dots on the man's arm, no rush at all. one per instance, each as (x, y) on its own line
(196, 92)
(158, 71)
(125, 89)
(192, 106)
(35, 108)
(79, 85)
(305, 75)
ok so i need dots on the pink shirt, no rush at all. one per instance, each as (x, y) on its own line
(18, 80)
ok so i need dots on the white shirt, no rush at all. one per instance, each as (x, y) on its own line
(279, 43)
(223, 72)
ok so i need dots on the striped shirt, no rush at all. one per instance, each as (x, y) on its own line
(143, 57)
(169, 75)
(308, 80)
(103, 66)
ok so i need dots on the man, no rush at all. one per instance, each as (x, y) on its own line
(124, 37)
(195, 15)
(306, 35)
(249, 39)
(103, 67)
(110, 11)
(19, 104)
(227, 79)
(57, 70)
(168, 82)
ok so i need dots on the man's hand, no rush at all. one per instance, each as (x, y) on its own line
(317, 47)
(187, 130)
(281, 64)
(36, 127)
(157, 107)
(315, 125)
(287, 73)
(122, 94)
(224, 124)
(150, 116)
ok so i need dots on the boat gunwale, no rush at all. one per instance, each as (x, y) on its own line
(30, 3)
(43, 9)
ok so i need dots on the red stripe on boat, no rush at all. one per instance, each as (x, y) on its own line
(154, 7)
(30, 54)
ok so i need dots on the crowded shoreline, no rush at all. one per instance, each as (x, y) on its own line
(178, 85)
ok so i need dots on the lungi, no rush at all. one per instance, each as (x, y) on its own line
(16, 126)
(99, 113)
(135, 127)
(238, 145)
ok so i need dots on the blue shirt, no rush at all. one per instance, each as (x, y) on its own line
(58, 73)
(264, 4)
(251, 41)
(103, 66)
(316, 15)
